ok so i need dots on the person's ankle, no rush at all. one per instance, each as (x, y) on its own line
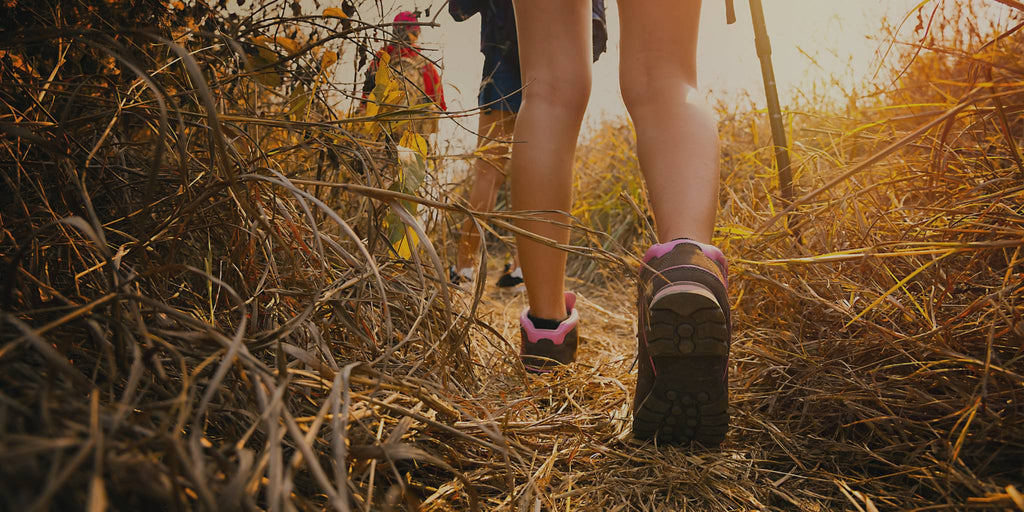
(545, 323)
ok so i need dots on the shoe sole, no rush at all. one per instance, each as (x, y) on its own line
(688, 342)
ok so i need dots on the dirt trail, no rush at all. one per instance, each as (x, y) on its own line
(575, 423)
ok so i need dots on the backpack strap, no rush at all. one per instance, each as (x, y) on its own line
(730, 12)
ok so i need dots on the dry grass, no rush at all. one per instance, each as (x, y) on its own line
(201, 308)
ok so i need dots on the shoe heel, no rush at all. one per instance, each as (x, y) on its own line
(688, 343)
(686, 320)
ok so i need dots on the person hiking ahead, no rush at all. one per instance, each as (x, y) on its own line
(499, 100)
(418, 79)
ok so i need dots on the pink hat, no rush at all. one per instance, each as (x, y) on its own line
(406, 17)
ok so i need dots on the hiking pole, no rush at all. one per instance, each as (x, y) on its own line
(764, 54)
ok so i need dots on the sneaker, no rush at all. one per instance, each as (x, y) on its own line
(683, 336)
(544, 349)
(462, 277)
(510, 279)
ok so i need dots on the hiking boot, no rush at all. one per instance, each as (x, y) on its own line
(683, 335)
(510, 279)
(544, 349)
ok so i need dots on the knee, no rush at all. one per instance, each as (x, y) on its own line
(566, 91)
(654, 85)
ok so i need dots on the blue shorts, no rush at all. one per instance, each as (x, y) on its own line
(500, 87)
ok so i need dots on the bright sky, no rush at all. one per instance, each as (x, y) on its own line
(812, 41)
(727, 60)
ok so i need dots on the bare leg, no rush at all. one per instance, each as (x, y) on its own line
(684, 359)
(677, 140)
(556, 76)
(489, 174)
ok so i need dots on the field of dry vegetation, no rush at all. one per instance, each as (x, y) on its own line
(220, 289)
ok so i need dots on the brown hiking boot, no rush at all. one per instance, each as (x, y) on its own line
(683, 335)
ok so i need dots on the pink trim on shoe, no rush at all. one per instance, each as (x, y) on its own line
(713, 253)
(557, 336)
